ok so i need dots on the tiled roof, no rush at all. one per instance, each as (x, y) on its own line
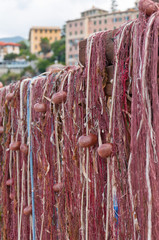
(9, 44)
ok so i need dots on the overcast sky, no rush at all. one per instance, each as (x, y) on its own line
(18, 16)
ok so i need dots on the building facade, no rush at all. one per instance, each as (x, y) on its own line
(7, 48)
(93, 20)
(36, 33)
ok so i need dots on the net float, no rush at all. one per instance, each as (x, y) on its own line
(59, 97)
(1, 129)
(1, 84)
(27, 210)
(40, 107)
(58, 187)
(9, 96)
(148, 7)
(15, 146)
(11, 196)
(10, 182)
(24, 149)
(87, 141)
(105, 150)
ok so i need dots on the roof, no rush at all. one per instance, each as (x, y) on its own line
(106, 14)
(43, 27)
(95, 8)
(9, 44)
(2, 43)
(13, 44)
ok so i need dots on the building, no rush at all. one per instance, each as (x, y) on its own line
(7, 48)
(36, 33)
(91, 21)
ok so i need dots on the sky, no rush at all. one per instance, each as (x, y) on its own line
(18, 16)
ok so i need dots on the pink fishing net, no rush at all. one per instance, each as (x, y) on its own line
(73, 192)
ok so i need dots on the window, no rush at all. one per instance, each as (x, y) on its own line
(70, 49)
(81, 23)
(56, 31)
(75, 47)
(35, 30)
(41, 30)
(94, 30)
(81, 32)
(114, 27)
(120, 19)
(114, 20)
(100, 21)
(127, 18)
(100, 29)
(75, 24)
(46, 30)
(70, 25)
(70, 56)
(70, 42)
(70, 33)
(94, 22)
(50, 31)
(36, 46)
(36, 38)
(105, 29)
(137, 15)
(75, 32)
(105, 21)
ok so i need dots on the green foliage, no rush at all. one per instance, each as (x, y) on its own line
(58, 49)
(28, 71)
(10, 56)
(45, 45)
(23, 46)
(42, 65)
(9, 77)
(32, 57)
(63, 31)
(114, 5)
(24, 52)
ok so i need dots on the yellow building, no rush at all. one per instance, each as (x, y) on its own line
(36, 33)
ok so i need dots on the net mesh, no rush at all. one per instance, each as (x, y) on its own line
(95, 198)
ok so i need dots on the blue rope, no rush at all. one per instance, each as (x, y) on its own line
(31, 161)
(116, 209)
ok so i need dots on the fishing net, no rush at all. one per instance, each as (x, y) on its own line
(60, 189)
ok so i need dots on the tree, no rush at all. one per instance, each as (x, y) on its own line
(28, 72)
(58, 49)
(63, 31)
(45, 45)
(9, 77)
(23, 45)
(42, 65)
(10, 56)
(114, 5)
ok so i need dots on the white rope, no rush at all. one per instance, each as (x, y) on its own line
(89, 50)
(11, 152)
(149, 227)
(145, 95)
(57, 144)
(135, 221)
(115, 75)
(108, 199)
(22, 140)
(29, 147)
(18, 185)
